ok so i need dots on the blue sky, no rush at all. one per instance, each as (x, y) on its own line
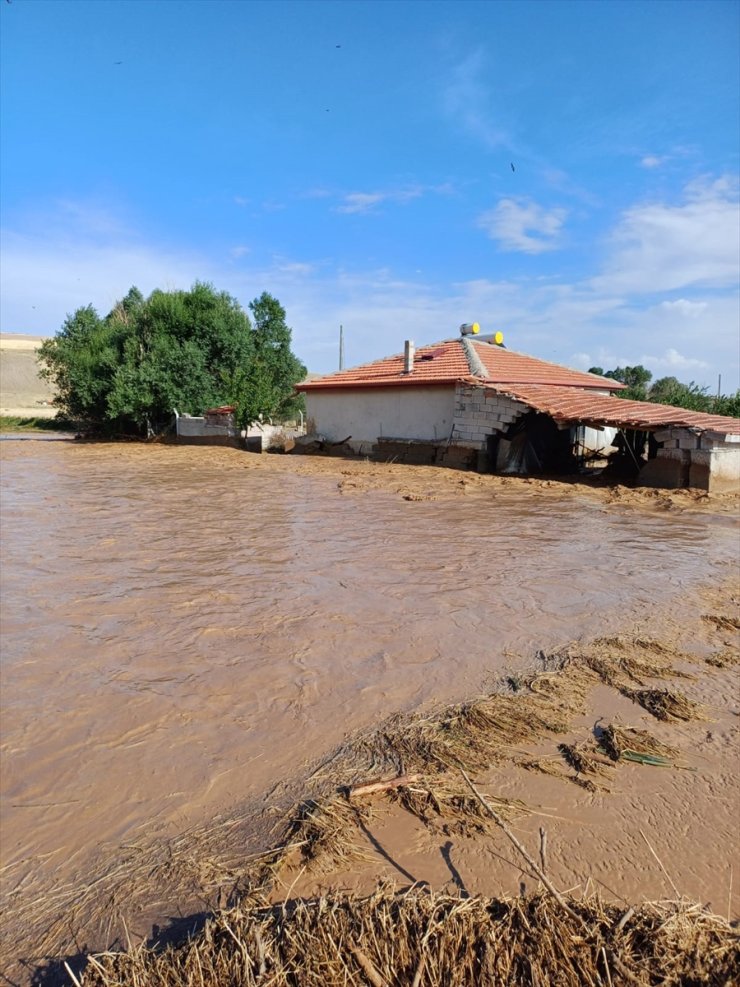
(355, 160)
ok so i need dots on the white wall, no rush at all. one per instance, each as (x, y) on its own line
(411, 412)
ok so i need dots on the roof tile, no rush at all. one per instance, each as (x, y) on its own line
(568, 404)
(447, 362)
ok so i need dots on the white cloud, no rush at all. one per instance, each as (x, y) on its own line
(665, 247)
(239, 251)
(684, 307)
(362, 202)
(66, 259)
(467, 101)
(523, 225)
(79, 253)
(652, 161)
(241, 200)
(668, 363)
(46, 278)
(294, 267)
(673, 360)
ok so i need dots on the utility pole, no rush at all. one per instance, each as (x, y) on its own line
(719, 386)
(341, 347)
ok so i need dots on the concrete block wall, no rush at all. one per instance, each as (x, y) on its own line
(191, 426)
(716, 470)
(705, 460)
(678, 438)
(685, 438)
(480, 412)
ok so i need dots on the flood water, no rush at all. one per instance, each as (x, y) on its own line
(182, 626)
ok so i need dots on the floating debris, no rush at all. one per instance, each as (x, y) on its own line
(722, 621)
(666, 705)
(631, 744)
(727, 658)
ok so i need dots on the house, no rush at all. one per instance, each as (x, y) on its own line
(471, 402)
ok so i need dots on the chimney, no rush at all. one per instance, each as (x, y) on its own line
(408, 356)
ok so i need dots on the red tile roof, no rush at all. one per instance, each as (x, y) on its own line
(457, 359)
(567, 404)
(507, 367)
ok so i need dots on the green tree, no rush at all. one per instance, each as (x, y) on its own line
(176, 349)
(264, 388)
(636, 378)
(670, 390)
(727, 404)
(81, 362)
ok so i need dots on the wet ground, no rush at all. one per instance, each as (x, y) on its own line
(183, 626)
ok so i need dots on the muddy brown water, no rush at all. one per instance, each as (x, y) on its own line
(183, 626)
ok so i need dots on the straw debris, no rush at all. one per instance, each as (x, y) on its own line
(443, 804)
(666, 705)
(727, 658)
(471, 735)
(619, 660)
(633, 744)
(436, 939)
(326, 832)
(722, 621)
(547, 764)
(590, 766)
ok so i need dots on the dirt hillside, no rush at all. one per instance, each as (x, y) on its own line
(22, 392)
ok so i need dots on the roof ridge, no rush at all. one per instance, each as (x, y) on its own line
(474, 361)
(448, 360)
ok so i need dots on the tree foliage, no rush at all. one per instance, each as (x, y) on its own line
(257, 389)
(670, 390)
(636, 378)
(184, 350)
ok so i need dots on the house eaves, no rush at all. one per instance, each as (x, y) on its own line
(572, 406)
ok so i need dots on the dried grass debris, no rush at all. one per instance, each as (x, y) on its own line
(326, 832)
(726, 658)
(436, 939)
(632, 744)
(444, 804)
(620, 660)
(723, 622)
(591, 767)
(664, 704)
